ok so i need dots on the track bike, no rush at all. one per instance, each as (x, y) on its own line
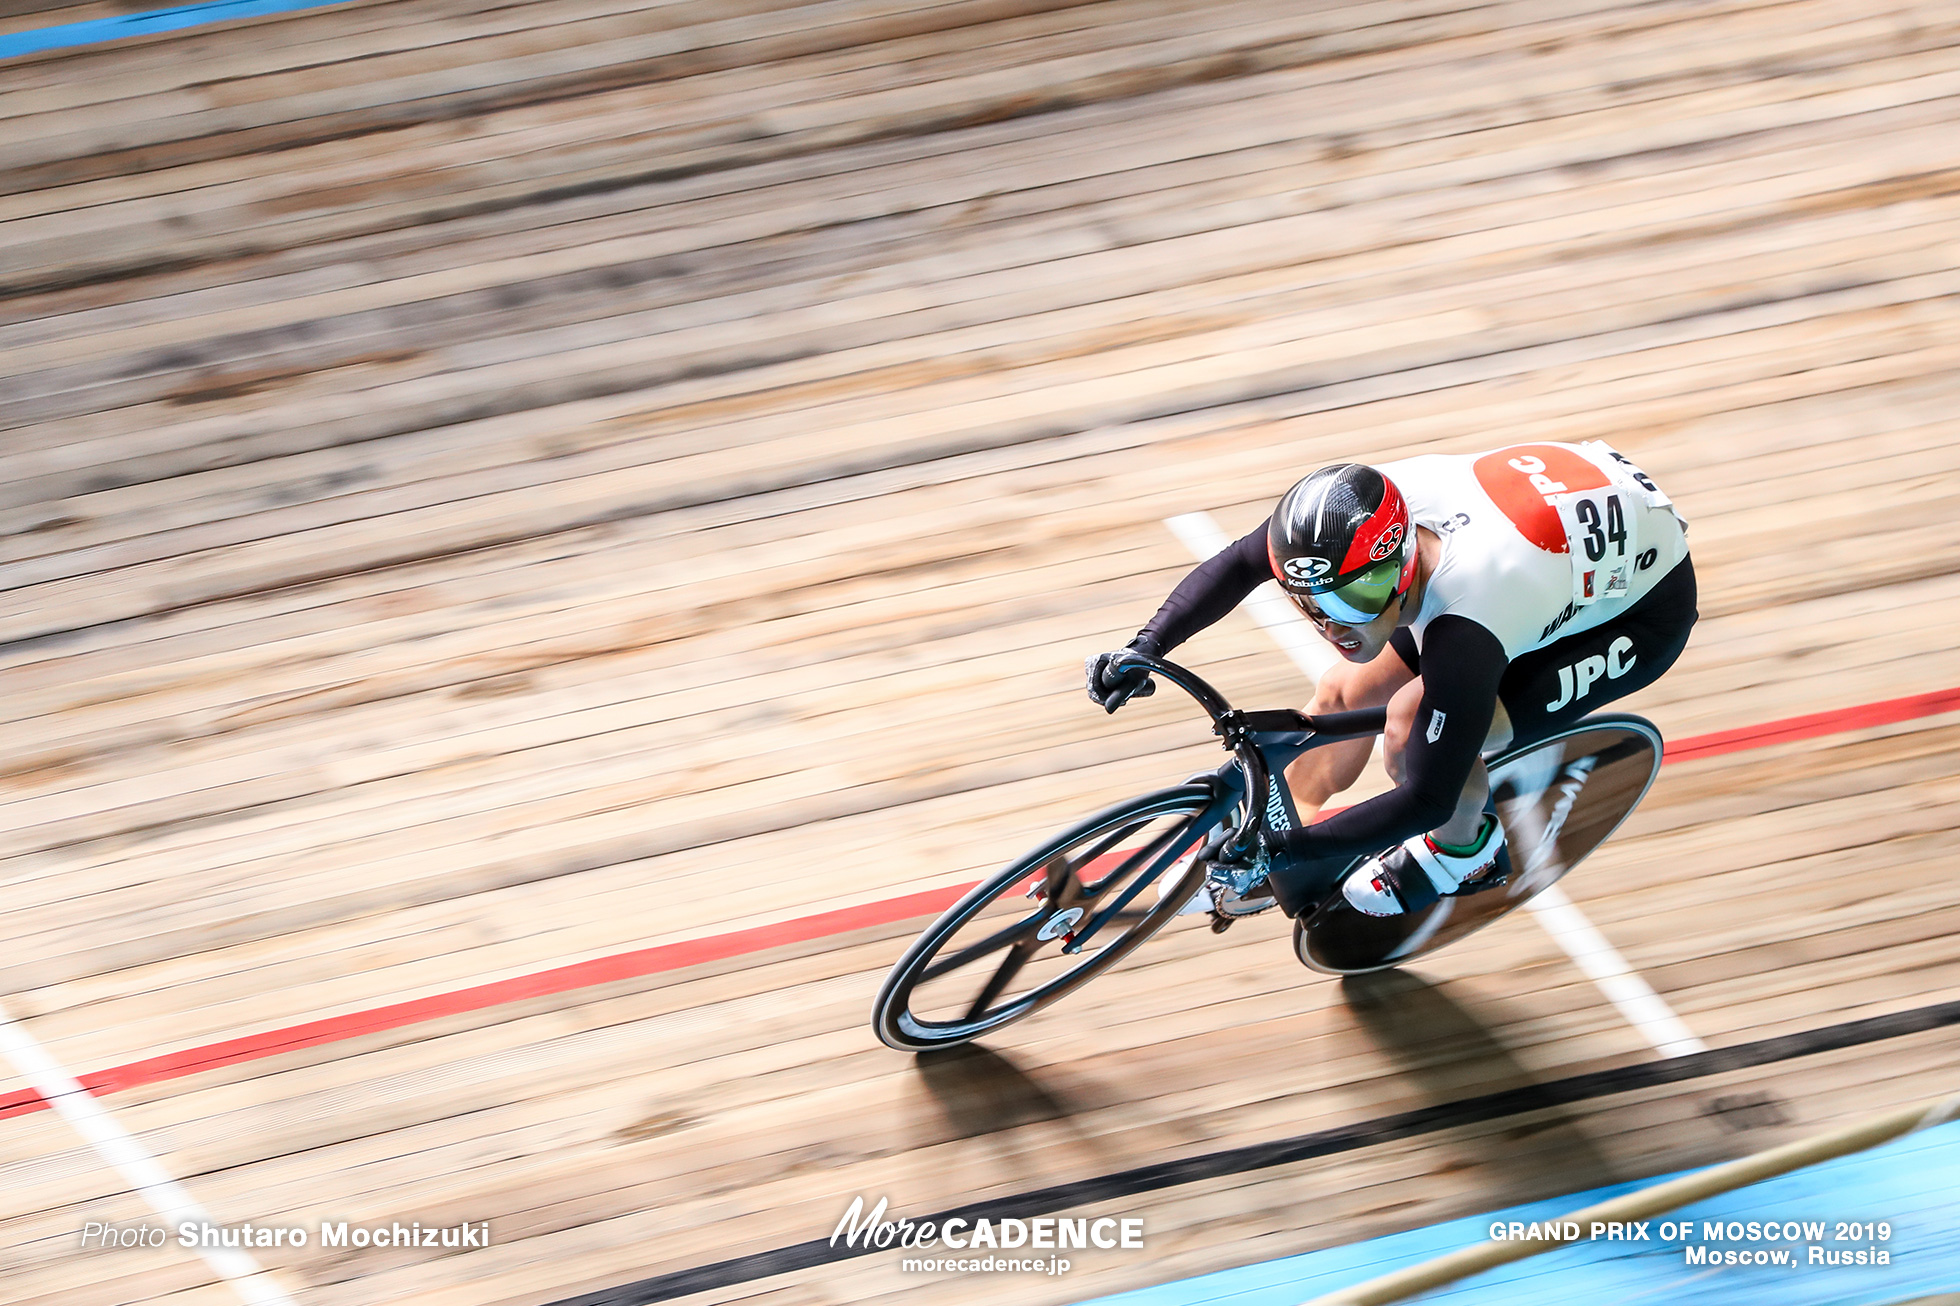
(1081, 901)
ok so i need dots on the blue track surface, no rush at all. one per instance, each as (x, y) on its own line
(1914, 1184)
(156, 20)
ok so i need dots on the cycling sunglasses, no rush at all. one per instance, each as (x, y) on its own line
(1358, 601)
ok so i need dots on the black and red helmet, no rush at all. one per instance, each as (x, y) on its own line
(1343, 538)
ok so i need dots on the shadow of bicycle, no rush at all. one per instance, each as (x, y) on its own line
(1449, 1055)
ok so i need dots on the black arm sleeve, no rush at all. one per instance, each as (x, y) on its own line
(1462, 664)
(1213, 588)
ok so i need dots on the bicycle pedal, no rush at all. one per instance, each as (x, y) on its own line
(1220, 922)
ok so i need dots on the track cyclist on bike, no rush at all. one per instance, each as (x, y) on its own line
(1519, 589)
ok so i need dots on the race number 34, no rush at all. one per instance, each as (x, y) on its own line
(1598, 534)
(1602, 543)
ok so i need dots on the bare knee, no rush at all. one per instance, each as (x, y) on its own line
(1341, 689)
(1501, 731)
(1347, 686)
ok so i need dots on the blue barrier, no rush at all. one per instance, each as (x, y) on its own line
(97, 30)
(1910, 1184)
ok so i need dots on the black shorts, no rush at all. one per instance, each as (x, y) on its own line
(1556, 685)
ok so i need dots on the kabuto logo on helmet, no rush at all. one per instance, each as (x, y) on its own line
(1307, 568)
(1390, 541)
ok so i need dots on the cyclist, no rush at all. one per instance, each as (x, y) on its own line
(1518, 589)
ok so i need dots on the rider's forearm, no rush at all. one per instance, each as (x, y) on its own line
(1369, 827)
(1213, 588)
(1462, 666)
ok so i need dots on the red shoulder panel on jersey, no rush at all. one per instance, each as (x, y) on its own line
(1521, 479)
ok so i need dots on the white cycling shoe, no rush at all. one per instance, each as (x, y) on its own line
(1415, 873)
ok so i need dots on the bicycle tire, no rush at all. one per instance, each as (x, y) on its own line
(897, 1026)
(1336, 939)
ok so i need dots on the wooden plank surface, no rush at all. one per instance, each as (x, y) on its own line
(484, 488)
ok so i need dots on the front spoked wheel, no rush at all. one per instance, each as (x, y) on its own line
(1050, 922)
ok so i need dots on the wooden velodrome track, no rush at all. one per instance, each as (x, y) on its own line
(494, 487)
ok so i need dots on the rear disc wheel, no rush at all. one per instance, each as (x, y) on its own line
(1558, 797)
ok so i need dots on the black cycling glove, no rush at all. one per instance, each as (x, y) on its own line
(1110, 686)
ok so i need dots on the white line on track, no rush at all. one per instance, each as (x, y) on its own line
(1601, 963)
(130, 1159)
(1644, 1009)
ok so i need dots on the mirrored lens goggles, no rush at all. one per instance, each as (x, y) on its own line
(1359, 601)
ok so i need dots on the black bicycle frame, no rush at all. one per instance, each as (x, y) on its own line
(1263, 744)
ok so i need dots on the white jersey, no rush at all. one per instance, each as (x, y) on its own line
(1539, 541)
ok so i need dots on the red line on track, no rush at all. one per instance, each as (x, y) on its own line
(1889, 712)
(718, 947)
(560, 979)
